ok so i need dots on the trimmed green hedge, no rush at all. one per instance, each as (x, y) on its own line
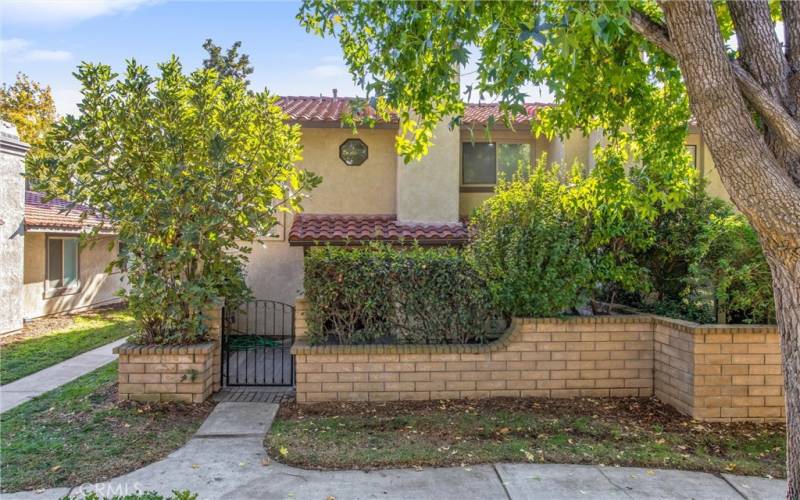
(384, 294)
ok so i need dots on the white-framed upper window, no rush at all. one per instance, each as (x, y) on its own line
(62, 264)
(483, 162)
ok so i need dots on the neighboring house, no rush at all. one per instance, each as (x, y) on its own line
(46, 267)
(368, 193)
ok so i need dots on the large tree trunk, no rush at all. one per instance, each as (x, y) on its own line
(755, 168)
(786, 284)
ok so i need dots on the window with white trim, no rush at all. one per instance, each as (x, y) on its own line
(62, 264)
(483, 162)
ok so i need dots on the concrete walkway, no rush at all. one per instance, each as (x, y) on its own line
(36, 384)
(226, 459)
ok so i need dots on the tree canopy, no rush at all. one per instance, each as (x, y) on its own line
(231, 63)
(189, 170)
(29, 106)
(633, 68)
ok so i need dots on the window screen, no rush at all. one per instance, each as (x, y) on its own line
(62, 262)
(478, 163)
(509, 157)
(55, 263)
(70, 251)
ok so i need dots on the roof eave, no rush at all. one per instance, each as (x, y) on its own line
(392, 241)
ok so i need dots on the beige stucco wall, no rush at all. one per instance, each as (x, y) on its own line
(427, 189)
(275, 269)
(97, 287)
(705, 164)
(365, 189)
(12, 241)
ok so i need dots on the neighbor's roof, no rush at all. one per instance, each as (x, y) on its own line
(305, 109)
(320, 229)
(56, 215)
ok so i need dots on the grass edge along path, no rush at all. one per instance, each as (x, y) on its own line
(638, 432)
(79, 433)
(86, 332)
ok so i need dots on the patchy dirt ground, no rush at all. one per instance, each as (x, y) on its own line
(612, 431)
(43, 326)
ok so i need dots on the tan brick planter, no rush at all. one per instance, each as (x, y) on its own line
(166, 373)
(719, 372)
(189, 373)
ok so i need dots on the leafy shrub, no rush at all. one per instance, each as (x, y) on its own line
(190, 169)
(705, 263)
(528, 249)
(732, 262)
(386, 294)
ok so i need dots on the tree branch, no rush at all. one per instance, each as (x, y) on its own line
(785, 126)
(656, 33)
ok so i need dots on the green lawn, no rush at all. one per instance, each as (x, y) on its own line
(79, 433)
(625, 432)
(83, 333)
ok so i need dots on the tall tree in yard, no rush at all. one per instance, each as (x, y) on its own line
(232, 63)
(29, 106)
(190, 169)
(635, 68)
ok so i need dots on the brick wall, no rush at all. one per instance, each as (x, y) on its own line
(189, 373)
(165, 373)
(737, 373)
(610, 356)
(717, 372)
(673, 374)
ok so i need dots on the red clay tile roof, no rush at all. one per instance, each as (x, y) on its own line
(314, 229)
(55, 215)
(316, 109)
(331, 109)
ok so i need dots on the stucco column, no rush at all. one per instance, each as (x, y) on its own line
(12, 227)
(555, 152)
(595, 138)
(428, 189)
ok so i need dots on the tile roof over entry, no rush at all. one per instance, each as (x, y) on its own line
(316, 229)
(54, 215)
(332, 109)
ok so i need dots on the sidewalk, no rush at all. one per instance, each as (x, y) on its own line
(24, 389)
(226, 459)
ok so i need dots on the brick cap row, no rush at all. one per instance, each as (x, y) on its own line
(131, 348)
(301, 346)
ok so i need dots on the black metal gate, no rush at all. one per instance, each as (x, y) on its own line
(256, 342)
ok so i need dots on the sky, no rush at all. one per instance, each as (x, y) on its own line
(47, 39)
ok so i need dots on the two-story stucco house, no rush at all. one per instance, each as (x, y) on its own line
(369, 193)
